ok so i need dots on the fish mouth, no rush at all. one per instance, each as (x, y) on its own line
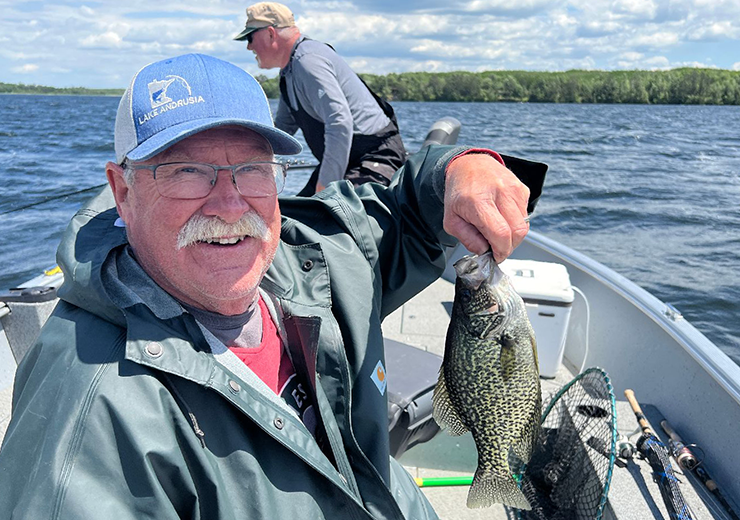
(474, 269)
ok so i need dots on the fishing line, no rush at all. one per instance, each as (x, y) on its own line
(49, 199)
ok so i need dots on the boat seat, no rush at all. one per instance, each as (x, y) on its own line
(22, 314)
(29, 307)
(412, 376)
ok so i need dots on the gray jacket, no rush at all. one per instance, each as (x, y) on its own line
(330, 92)
(127, 408)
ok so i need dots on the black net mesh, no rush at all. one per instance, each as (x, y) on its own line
(569, 473)
(657, 455)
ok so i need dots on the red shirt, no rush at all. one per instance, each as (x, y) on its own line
(269, 361)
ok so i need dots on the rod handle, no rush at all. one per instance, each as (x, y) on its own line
(630, 395)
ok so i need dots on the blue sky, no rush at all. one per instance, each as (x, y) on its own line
(102, 44)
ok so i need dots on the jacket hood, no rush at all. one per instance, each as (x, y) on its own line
(89, 240)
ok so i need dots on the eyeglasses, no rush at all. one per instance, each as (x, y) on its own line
(190, 180)
(249, 36)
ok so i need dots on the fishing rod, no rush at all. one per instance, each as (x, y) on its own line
(656, 454)
(687, 460)
(291, 165)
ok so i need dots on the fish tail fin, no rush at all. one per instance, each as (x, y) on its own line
(491, 487)
(443, 411)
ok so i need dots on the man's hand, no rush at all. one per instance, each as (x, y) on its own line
(485, 205)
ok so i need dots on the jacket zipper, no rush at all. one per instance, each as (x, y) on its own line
(200, 433)
(186, 409)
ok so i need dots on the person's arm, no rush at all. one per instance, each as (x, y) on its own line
(439, 197)
(80, 445)
(318, 88)
(284, 118)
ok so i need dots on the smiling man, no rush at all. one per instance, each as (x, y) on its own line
(215, 352)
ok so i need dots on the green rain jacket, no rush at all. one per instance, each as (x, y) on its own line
(126, 408)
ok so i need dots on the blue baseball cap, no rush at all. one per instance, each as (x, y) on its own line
(175, 98)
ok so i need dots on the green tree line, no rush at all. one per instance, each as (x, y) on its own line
(676, 86)
(20, 88)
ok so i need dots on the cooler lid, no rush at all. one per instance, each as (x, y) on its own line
(534, 280)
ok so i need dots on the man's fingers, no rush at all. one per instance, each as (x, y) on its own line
(485, 206)
(468, 235)
(484, 230)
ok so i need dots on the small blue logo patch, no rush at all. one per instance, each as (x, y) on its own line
(158, 90)
(379, 377)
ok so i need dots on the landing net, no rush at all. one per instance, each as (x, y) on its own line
(570, 470)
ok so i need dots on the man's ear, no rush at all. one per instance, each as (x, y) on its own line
(120, 189)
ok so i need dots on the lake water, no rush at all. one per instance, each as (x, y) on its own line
(651, 191)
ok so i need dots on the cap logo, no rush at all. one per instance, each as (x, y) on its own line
(167, 94)
(158, 90)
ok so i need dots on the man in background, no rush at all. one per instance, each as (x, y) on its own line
(350, 130)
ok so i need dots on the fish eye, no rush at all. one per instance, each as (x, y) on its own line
(466, 295)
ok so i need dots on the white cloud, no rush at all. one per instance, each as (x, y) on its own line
(442, 50)
(656, 39)
(108, 39)
(716, 30)
(694, 64)
(26, 69)
(636, 8)
(592, 29)
(736, 65)
(632, 56)
(636, 60)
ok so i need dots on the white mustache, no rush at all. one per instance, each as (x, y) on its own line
(200, 228)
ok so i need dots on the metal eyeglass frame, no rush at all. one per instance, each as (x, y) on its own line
(279, 186)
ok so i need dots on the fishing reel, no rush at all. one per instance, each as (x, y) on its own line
(625, 448)
(684, 454)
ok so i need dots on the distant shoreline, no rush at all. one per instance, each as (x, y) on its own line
(20, 88)
(685, 86)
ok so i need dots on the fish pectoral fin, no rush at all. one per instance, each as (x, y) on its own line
(444, 411)
(533, 339)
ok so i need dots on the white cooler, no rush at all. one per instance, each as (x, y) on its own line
(547, 293)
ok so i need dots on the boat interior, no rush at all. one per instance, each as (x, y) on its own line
(642, 343)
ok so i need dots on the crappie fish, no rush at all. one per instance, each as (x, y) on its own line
(489, 380)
